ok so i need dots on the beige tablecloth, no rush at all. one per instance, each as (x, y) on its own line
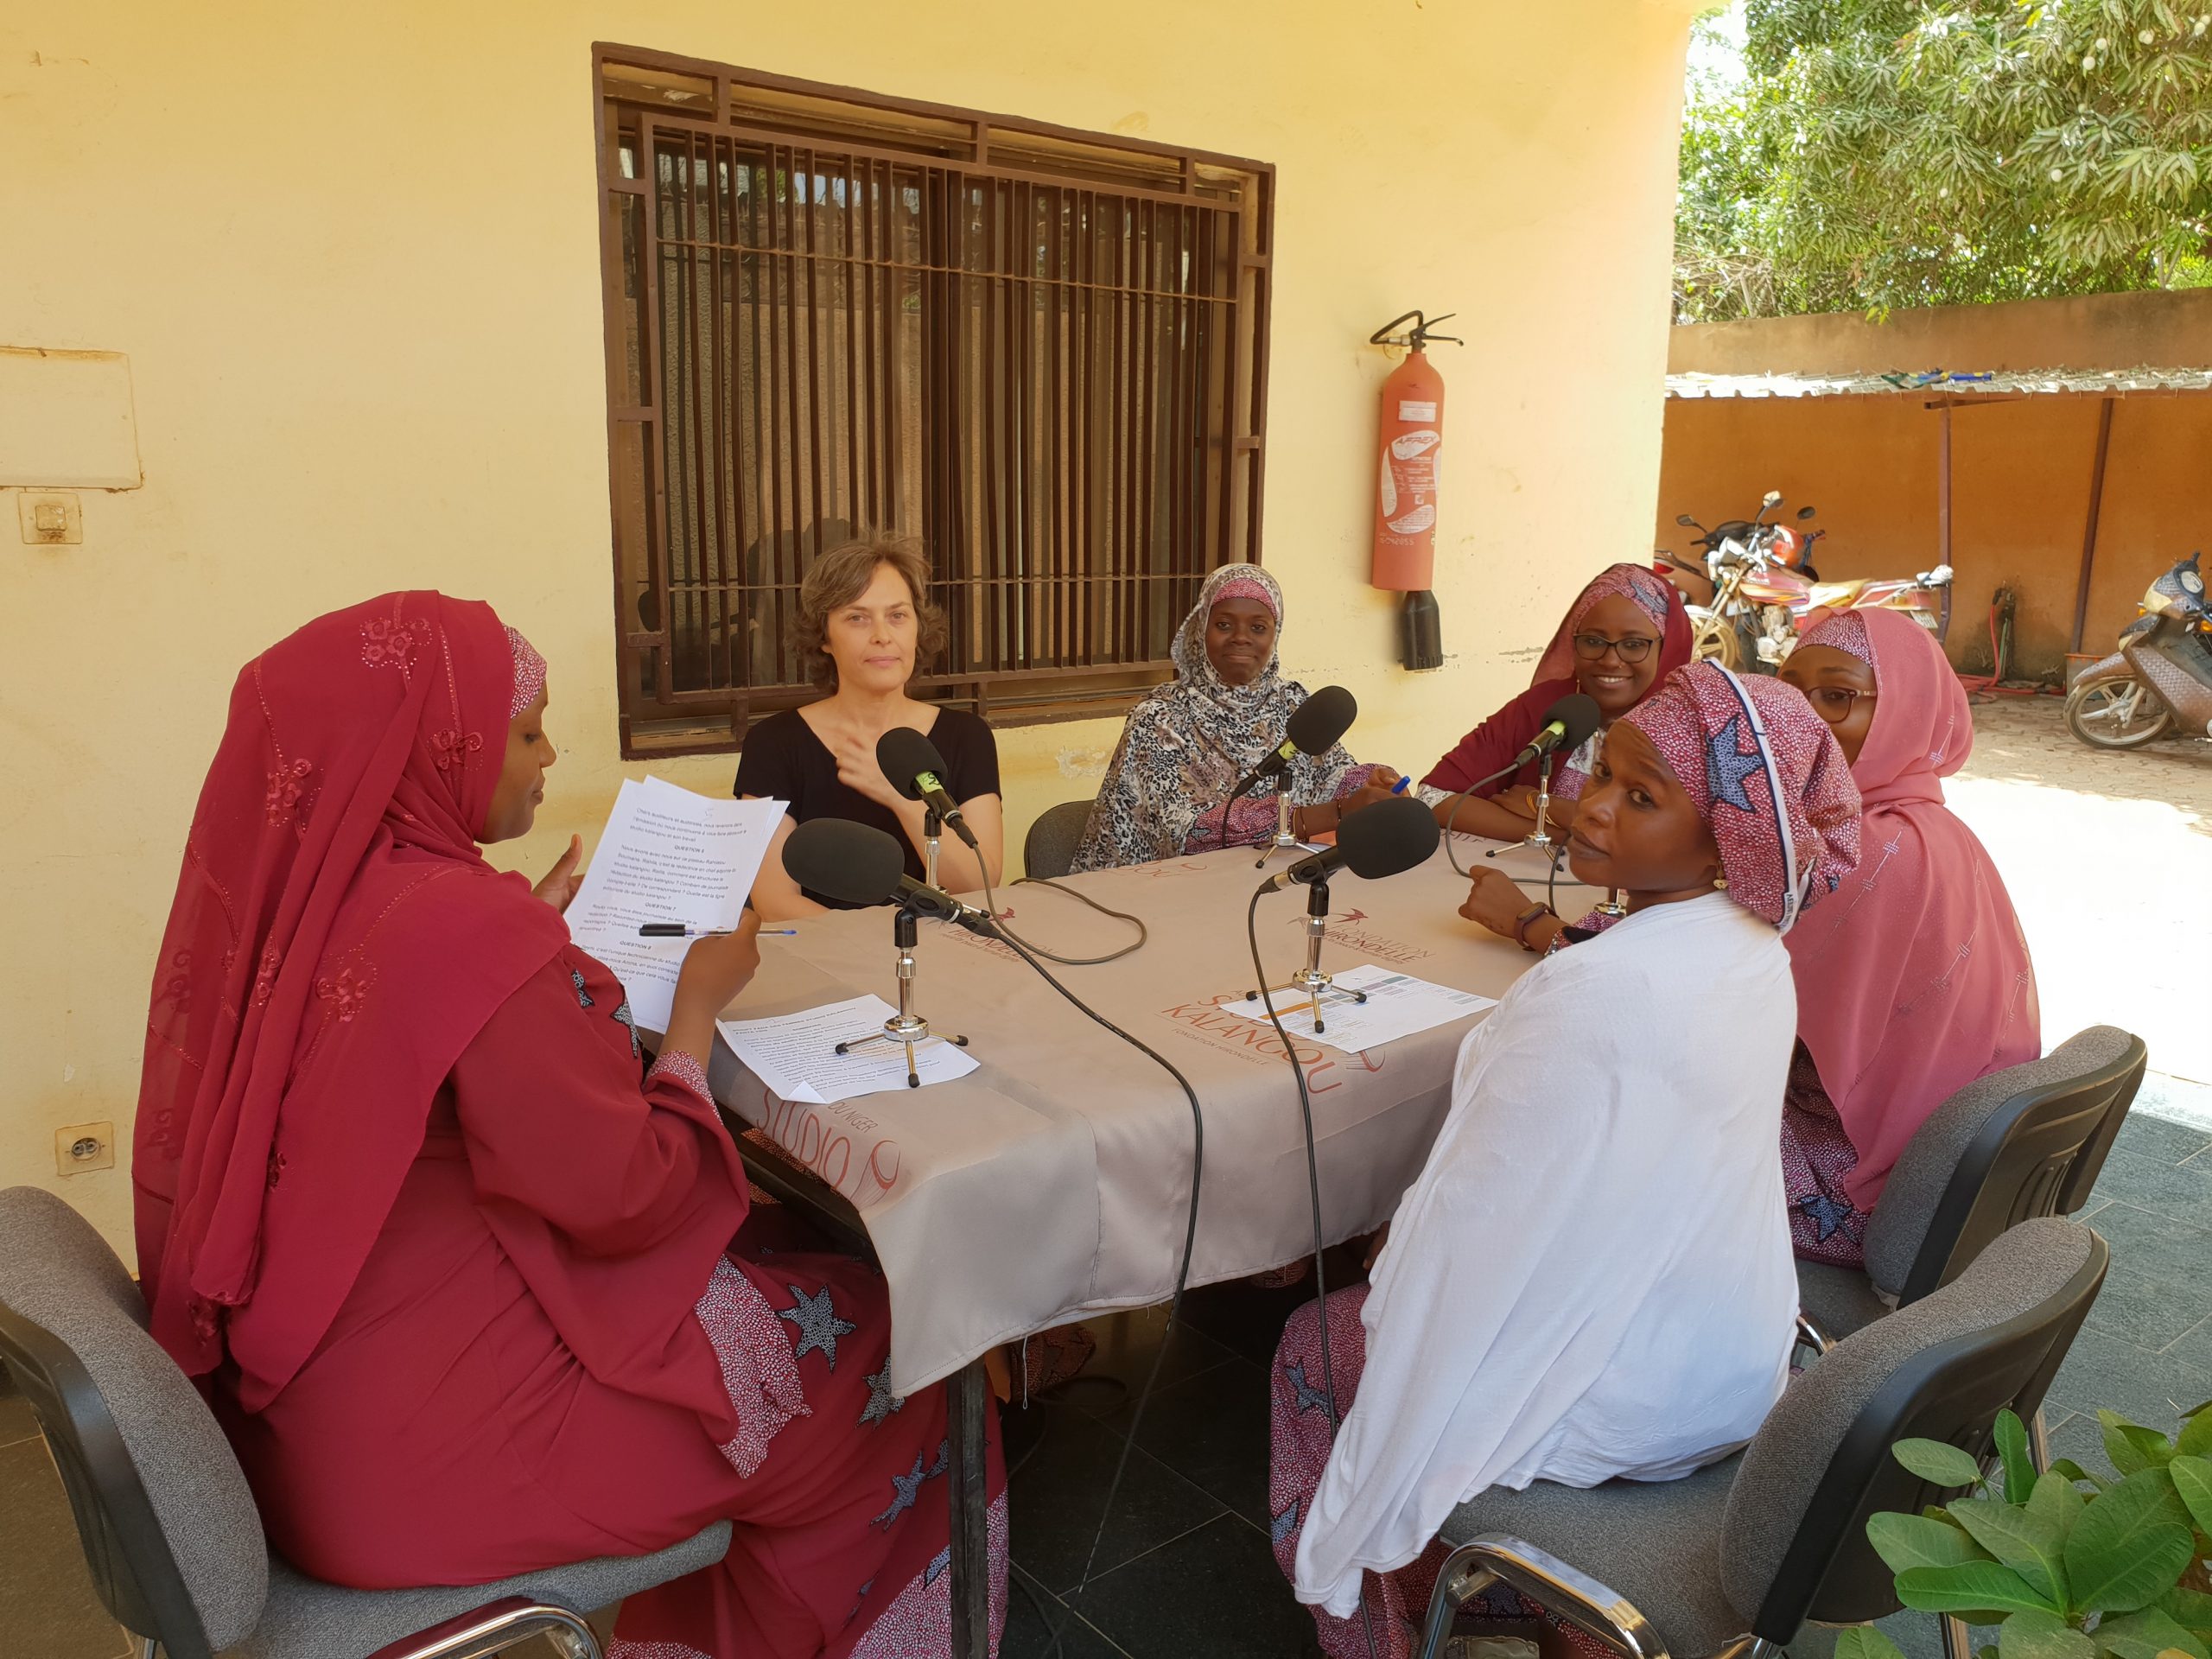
(1054, 1180)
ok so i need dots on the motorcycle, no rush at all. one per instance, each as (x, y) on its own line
(1764, 592)
(2160, 676)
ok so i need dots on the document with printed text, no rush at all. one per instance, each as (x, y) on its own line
(1397, 1005)
(667, 855)
(796, 1054)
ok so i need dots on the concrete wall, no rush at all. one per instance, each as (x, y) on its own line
(351, 256)
(2020, 469)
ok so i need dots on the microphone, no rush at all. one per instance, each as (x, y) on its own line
(859, 865)
(1315, 727)
(1567, 725)
(916, 770)
(1375, 842)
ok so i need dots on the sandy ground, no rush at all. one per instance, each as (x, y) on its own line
(2108, 857)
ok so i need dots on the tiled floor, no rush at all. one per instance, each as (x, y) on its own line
(1184, 1567)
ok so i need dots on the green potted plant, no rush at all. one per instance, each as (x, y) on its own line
(2066, 1564)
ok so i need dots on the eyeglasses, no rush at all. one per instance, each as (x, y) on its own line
(1592, 647)
(1834, 704)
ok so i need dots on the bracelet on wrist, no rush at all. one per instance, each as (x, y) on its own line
(1521, 926)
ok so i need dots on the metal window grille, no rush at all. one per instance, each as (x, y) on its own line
(1041, 353)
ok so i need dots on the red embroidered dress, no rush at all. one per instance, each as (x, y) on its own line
(462, 1287)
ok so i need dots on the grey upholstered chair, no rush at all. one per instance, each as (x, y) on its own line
(167, 1525)
(1048, 849)
(1734, 1558)
(2028, 1140)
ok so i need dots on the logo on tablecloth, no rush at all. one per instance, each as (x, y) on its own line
(839, 1142)
(1256, 1041)
(1350, 930)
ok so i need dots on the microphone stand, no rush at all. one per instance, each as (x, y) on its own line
(932, 833)
(1282, 841)
(905, 1028)
(1310, 979)
(1612, 905)
(1540, 839)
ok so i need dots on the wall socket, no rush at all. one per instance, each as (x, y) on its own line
(79, 1148)
(51, 518)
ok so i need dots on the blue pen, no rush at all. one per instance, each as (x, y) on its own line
(1401, 785)
(678, 931)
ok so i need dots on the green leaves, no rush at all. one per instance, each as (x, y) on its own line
(1864, 1641)
(2055, 1501)
(2012, 1447)
(2129, 1546)
(2030, 1544)
(2133, 1448)
(2147, 1635)
(1904, 1542)
(1938, 1463)
(2038, 1635)
(1985, 1592)
(2192, 1479)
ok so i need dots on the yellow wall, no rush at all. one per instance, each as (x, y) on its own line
(351, 256)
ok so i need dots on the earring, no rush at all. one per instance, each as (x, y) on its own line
(1720, 883)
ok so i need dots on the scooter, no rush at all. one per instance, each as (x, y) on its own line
(2161, 676)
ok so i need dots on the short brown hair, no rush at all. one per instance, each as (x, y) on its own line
(842, 576)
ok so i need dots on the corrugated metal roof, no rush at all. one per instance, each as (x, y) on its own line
(1945, 382)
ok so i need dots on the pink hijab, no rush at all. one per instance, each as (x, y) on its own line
(335, 942)
(1913, 979)
(1651, 593)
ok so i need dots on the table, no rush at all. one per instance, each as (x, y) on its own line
(1054, 1181)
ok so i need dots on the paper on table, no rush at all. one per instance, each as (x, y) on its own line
(666, 856)
(1397, 1005)
(796, 1054)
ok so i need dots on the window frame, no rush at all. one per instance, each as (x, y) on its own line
(670, 92)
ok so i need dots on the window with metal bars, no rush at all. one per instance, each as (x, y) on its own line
(1040, 352)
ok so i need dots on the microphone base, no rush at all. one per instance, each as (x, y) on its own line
(906, 1028)
(1316, 986)
(1282, 841)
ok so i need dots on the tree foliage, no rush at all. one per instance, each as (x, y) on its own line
(1882, 153)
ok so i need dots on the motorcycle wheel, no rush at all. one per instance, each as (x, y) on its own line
(2116, 714)
(1717, 641)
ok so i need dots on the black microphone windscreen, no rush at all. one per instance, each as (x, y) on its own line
(854, 862)
(904, 753)
(1318, 724)
(1387, 837)
(1579, 712)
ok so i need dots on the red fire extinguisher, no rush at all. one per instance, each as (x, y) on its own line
(1410, 440)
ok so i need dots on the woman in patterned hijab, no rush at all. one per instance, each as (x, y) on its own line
(1187, 745)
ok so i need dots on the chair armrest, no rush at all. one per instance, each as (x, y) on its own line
(1809, 1334)
(491, 1629)
(1551, 1583)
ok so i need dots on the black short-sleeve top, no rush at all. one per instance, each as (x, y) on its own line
(784, 760)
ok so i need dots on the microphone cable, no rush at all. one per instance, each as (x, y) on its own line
(1189, 1238)
(1460, 800)
(991, 904)
(1313, 1194)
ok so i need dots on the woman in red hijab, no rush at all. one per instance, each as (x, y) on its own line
(461, 1282)
(1915, 980)
(1624, 634)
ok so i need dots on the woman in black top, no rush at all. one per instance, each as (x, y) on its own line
(865, 618)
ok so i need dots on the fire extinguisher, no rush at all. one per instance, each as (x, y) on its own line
(1411, 438)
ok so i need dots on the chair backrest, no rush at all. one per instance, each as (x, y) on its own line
(1792, 1543)
(167, 1524)
(2019, 1143)
(1048, 850)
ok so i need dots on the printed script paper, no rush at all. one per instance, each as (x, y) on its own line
(1397, 1005)
(666, 856)
(796, 1054)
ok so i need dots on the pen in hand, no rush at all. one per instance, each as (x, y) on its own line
(681, 930)
(1401, 785)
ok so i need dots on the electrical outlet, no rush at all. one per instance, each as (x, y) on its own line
(79, 1147)
(51, 518)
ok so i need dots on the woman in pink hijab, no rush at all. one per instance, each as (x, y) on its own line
(1913, 979)
(464, 1280)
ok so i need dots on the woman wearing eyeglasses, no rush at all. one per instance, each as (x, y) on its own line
(1624, 634)
(1913, 979)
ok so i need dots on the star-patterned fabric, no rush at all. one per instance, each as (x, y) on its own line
(1396, 1602)
(1915, 978)
(1730, 739)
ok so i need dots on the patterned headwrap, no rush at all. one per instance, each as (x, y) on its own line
(1846, 631)
(530, 673)
(1652, 593)
(1768, 778)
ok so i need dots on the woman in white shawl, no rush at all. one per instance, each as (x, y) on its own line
(1592, 1277)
